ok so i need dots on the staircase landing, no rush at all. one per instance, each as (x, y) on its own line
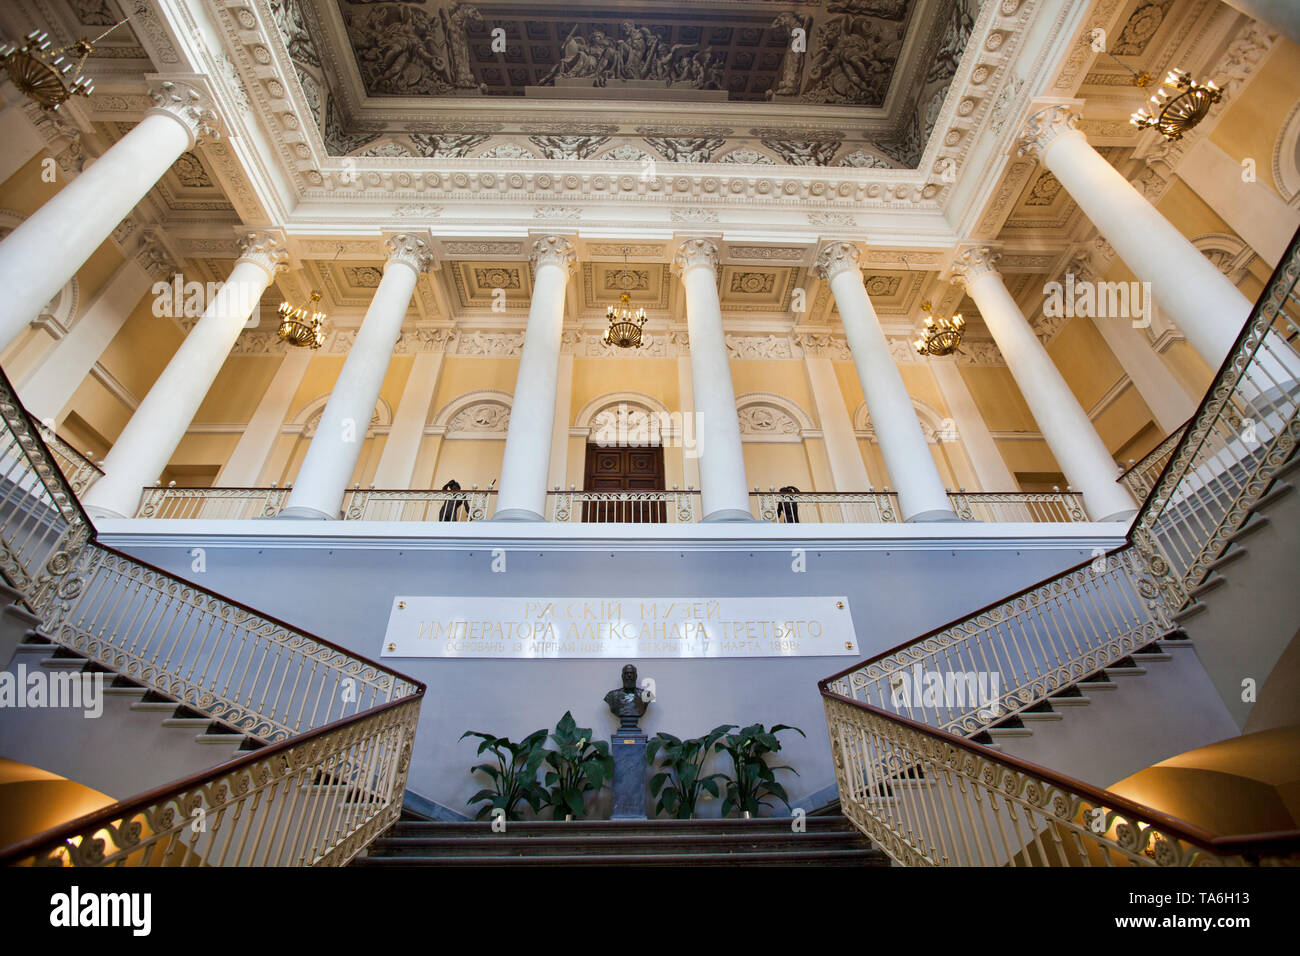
(827, 841)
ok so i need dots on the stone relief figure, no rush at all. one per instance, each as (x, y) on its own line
(403, 50)
(637, 54)
(854, 58)
(791, 78)
(288, 18)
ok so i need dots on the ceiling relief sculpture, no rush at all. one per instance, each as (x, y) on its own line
(765, 79)
(846, 53)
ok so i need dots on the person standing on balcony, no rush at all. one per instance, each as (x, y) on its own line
(452, 503)
(788, 510)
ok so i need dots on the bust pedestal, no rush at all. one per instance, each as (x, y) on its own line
(628, 751)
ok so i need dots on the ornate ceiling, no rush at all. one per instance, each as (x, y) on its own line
(816, 83)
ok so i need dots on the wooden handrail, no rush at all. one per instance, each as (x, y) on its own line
(1282, 839)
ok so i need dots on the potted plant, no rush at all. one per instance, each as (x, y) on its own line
(576, 766)
(681, 782)
(754, 779)
(514, 777)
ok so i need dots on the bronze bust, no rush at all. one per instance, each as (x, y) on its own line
(626, 702)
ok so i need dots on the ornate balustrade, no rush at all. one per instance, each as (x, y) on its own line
(80, 471)
(1033, 643)
(313, 800)
(601, 507)
(1141, 476)
(930, 798)
(339, 725)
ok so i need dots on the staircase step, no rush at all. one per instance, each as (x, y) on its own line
(507, 845)
(1040, 715)
(1208, 584)
(1255, 523)
(848, 857)
(438, 828)
(187, 723)
(1276, 491)
(20, 613)
(1191, 610)
(1235, 552)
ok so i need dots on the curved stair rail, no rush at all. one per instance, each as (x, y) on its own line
(929, 798)
(339, 726)
(1016, 653)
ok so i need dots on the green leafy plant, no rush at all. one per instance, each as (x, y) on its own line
(755, 779)
(576, 766)
(681, 781)
(514, 777)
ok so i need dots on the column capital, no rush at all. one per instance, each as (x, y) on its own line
(695, 252)
(554, 251)
(836, 257)
(264, 248)
(974, 261)
(154, 258)
(188, 103)
(409, 250)
(1044, 126)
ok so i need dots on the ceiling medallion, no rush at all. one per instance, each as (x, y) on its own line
(42, 74)
(625, 326)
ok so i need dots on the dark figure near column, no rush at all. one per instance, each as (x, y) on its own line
(626, 702)
(453, 504)
(788, 511)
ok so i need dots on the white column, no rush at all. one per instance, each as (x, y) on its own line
(1169, 402)
(525, 464)
(724, 492)
(51, 385)
(244, 467)
(972, 430)
(558, 475)
(690, 434)
(848, 471)
(145, 446)
(48, 248)
(1078, 449)
(1280, 15)
(1207, 308)
(332, 455)
(921, 494)
(397, 463)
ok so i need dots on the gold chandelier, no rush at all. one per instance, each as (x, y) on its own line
(940, 336)
(50, 77)
(1180, 113)
(303, 326)
(626, 327)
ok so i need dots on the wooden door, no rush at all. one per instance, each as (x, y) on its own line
(624, 469)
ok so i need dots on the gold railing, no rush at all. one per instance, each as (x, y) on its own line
(1030, 645)
(630, 507)
(825, 507)
(253, 673)
(1141, 476)
(929, 798)
(80, 471)
(314, 800)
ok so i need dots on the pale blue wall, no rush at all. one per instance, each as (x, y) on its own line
(343, 592)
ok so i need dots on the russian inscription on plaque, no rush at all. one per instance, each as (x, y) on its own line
(626, 627)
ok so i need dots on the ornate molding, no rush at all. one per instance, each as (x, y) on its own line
(187, 103)
(410, 251)
(266, 249)
(972, 262)
(695, 253)
(836, 257)
(554, 251)
(1043, 127)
